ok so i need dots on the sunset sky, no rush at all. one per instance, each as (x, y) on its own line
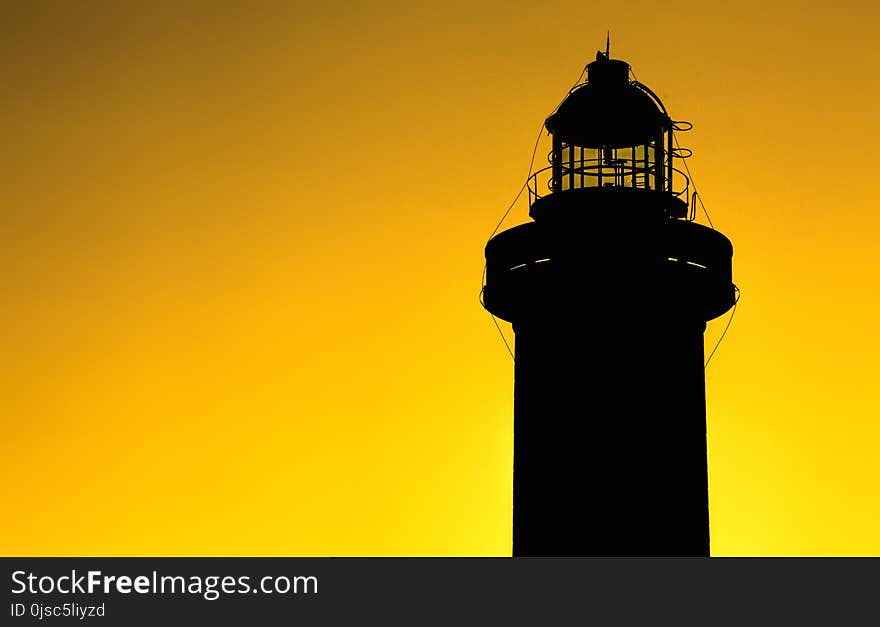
(241, 248)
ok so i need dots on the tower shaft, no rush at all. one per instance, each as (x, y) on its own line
(610, 436)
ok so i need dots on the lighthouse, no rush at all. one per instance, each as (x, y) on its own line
(608, 288)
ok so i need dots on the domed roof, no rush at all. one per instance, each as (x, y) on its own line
(608, 110)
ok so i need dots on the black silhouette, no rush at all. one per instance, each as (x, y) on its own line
(609, 289)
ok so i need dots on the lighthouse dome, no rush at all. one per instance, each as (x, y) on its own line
(608, 110)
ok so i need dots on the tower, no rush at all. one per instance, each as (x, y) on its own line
(609, 289)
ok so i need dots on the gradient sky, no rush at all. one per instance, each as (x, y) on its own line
(241, 246)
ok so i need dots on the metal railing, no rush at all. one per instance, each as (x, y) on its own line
(606, 173)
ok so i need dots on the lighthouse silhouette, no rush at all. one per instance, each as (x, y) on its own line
(609, 289)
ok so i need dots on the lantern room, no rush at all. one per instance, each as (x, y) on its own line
(611, 136)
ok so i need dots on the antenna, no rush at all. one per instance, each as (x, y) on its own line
(608, 45)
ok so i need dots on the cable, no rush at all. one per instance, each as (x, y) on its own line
(497, 326)
(503, 339)
(513, 202)
(504, 217)
(726, 327)
(532, 160)
(684, 160)
(524, 185)
(696, 189)
(573, 87)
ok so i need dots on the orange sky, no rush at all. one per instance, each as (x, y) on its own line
(241, 251)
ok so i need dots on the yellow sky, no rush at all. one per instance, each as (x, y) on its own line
(240, 250)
